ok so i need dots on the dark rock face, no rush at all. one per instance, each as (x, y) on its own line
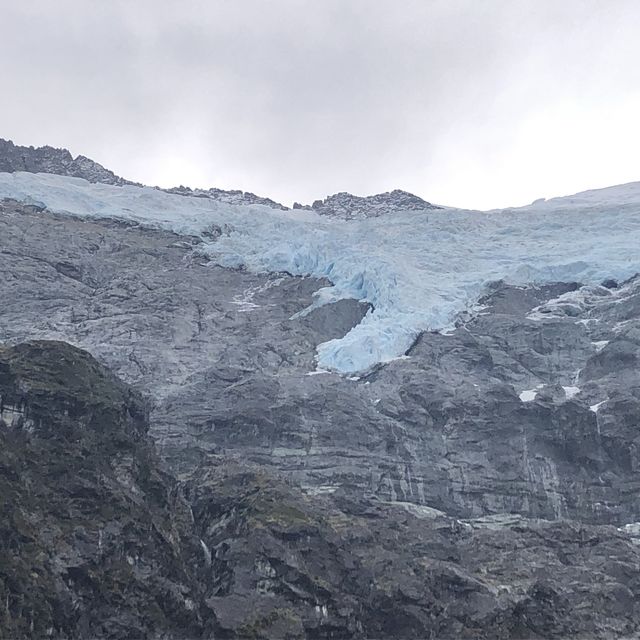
(95, 540)
(318, 567)
(98, 541)
(51, 160)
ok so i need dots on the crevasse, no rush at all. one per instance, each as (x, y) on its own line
(418, 269)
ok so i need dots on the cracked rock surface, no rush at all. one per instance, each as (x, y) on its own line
(484, 485)
(528, 407)
(99, 541)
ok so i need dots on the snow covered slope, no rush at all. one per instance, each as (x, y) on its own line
(418, 269)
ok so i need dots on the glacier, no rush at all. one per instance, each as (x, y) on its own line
(418, 269)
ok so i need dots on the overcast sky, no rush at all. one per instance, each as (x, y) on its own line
(475, 103)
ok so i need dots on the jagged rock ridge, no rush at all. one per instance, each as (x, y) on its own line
(347, 206)
(95, 542)
(51, 160)
(234, 196)
(60, 162)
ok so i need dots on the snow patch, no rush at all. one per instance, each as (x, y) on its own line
(570, 392)
(528, 395)
(419, 510)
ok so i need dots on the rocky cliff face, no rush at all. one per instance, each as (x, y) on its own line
(528, 407)
(97, 540)
(484, 485)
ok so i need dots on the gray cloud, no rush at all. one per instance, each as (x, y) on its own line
(463, 102)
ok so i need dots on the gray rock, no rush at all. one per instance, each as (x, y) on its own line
(229, 364)
(466, 490)
(50, 160)
(485, 485)
(234, 196)
(348, 207)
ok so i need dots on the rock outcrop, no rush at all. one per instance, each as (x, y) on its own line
(349, 207)
(51, 160)
(233, 196)
(97, 540)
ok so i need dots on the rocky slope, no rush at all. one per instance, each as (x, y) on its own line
(95, 540)
(98, 541)
(485, 485)
(232, 370)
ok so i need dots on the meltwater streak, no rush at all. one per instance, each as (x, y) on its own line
(418, 269)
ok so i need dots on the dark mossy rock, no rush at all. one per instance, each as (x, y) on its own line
(95, 540)
(59, 389)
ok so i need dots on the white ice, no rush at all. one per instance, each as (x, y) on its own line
(418, 269)
(528, 395)
(570, 392)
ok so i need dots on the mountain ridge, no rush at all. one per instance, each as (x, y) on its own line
(60, 161)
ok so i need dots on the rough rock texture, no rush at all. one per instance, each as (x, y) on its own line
(61, 162)
(50, 160)
(233, 196)
(349, 207)
(484, 486)
(341, 205)
(97, 541)
(231, 370)
(328, 567)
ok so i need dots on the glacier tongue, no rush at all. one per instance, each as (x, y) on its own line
(418, 269)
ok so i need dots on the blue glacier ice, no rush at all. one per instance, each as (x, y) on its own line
(418, 269)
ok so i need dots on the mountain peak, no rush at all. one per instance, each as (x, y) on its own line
(51, 160)
(347, 206)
